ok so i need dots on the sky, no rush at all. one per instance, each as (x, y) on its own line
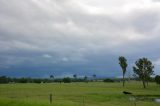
(39, 38)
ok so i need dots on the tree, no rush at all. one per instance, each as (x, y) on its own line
(75, 76)
(94, 76)
(4, 79)
(51, 77)
(144, 69)
(67, 80)
(85, 78)
(123, 64)
(157, 79)
(22, 80)
(108, 80)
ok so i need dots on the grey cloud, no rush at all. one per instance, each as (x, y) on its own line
(70, 34)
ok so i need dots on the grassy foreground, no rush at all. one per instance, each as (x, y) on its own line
(76, 94)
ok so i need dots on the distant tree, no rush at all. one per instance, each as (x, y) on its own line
(144, 69)
(94, 76)
(23, 80)
(108, 80)
(123, 64)
(75, 76)
(85, 78)
(58, 80)
(4, 79)
(51, 77)
(157, 79)
(37, 80)
(67, 80)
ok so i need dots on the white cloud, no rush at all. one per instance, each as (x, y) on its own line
(64, 59)
(47, 56)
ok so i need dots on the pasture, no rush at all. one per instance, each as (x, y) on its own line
(78, 94)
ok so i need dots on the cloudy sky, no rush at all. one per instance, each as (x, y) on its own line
(84, 37)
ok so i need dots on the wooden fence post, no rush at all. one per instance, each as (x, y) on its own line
(50, 98)
(83, 102)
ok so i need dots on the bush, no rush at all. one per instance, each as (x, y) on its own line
(157, 79)
(37, 81)
(23, 80)
(67, 80)
(58, 80)
(108, 80)
(3, 80)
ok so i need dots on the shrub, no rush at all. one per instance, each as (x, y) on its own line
(67, 80)
(23, 80)
(108, 80)
(157, 79)
(37, 81)
(3, 79)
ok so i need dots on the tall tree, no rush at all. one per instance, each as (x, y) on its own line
(123, 64)
(144, 69)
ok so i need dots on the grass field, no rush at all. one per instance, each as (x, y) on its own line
(77, 94)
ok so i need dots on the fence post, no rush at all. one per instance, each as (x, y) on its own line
(50, 98)
(83, 102)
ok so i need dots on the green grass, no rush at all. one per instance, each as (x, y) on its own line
(76, 94)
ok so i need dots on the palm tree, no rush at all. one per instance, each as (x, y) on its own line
(123, 64)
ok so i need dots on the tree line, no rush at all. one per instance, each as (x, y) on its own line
(5, 79)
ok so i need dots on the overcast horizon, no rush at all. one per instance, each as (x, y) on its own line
(39, 38)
